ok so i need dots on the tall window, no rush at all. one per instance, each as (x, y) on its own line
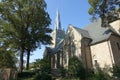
(118, 45)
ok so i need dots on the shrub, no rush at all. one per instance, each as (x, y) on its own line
(43, 65)
(26, 74)
(75, 68)
(62, 71)
(116, 71)
(100, 75)
(43, 76)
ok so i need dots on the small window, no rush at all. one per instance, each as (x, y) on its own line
(96, 63)
(118, 45)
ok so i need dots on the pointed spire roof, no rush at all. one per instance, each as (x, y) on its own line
(57, 20)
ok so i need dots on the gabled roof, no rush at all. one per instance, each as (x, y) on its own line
(58, 46)
(83, 32)
(49, 49)
(98, 33)
(54, 50)
(95, 32)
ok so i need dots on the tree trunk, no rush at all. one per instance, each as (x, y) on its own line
(21, 59)
(28, 58)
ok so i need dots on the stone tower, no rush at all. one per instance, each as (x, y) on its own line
(58, 33)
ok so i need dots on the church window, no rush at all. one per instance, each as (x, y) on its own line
(96, 63)
(118, 45)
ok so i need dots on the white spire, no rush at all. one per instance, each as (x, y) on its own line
(57, 20)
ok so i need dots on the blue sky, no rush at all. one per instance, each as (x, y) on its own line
(73, 12)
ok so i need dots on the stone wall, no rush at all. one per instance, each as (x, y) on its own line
(101, 55)
(115, 46)
(86, 53)
(8, 74)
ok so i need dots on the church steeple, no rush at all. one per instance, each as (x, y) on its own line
(58, 33)
(57, 21)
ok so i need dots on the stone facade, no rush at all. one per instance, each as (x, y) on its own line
(101, 55)
(115, 48)
(93, 45)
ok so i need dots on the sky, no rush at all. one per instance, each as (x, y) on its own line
(74, 12)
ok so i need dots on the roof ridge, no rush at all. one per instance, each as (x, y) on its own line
(79, 28)
(83, 32)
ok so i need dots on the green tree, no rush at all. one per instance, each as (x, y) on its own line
(7, 58)
(21, 19)
(31, 44)
(107, 10)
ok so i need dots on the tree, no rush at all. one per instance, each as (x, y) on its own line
(31, 44)
(107, 10)
(24, 23)
(7, 58)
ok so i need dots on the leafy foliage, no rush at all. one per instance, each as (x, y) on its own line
(7, 59)
(75, 68)
(44, 69)
(43, 76)
(97, 75)
(43, 65)
(107, 10)
(116, 71)
(62, 72)
(24, 25)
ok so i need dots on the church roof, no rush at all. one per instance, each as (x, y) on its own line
(58, 46)
(84, 33)
(49, 49)
(56, 49)
(98, 33)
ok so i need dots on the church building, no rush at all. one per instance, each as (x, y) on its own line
(94, 45)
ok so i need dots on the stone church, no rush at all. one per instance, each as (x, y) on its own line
(92, 44)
